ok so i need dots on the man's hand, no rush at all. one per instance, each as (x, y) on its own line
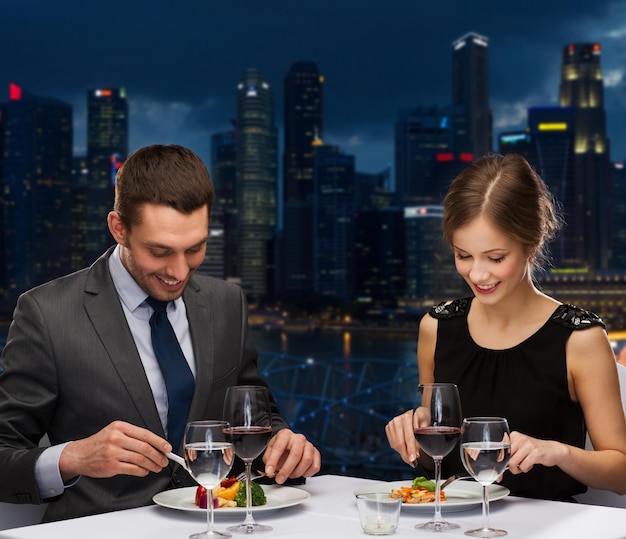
(290, 455)
(119, 448)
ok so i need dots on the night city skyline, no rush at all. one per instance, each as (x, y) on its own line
(180, 67)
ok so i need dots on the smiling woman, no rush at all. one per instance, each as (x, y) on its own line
(515, 352)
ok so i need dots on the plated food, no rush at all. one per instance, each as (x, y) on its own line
(422, 490)
(278, 497)
(460, 495)
(231, 493)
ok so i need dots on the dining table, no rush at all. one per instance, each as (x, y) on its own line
(326, 508)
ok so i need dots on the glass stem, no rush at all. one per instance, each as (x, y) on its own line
(209, 510)
(437, 517)
(249, 521)
(485, 508)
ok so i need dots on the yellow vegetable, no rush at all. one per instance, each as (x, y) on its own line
(230, 492)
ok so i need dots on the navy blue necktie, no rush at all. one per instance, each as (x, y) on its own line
(179, 380)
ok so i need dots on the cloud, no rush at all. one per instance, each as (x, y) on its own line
(180, 63)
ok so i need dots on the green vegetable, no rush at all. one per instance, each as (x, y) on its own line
(421, 482)
(258, 496)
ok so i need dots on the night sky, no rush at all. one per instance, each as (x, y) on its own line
(180, 61)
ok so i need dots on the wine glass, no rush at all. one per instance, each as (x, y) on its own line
(437, 430)
(247, 409)
(485, 452)
(209, 456)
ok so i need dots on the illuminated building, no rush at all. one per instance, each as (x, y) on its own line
(304, 124)
(213, 263)
(618, 216)
(514, 142)
(224, 212)
(36, 190)
(582, 89)
(304, 130)
(256, 183)
(380, 255)
(551, 153)
(426, 144)
(333, 223)
(470, 89)
(603, 292)
(107, 146)
(80, 181)
(431, 276)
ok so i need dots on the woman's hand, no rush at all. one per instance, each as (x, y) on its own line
(527, 451)
(401, 433)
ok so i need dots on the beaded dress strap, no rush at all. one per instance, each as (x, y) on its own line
(573, 317)
(451, 309)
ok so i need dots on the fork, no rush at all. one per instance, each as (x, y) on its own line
(253, 475)
(459, 476)
(454, 478)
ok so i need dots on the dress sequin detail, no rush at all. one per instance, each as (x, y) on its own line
(566, 315)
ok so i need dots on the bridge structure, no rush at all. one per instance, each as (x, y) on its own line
(342, 406)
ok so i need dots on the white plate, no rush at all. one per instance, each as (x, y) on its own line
(278, 497)
(460, 495)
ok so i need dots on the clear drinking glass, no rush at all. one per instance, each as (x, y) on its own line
(209, 456)
(485, 451)
(437, 430)
(247, 409)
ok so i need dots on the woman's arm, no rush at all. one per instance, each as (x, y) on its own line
(593, 381)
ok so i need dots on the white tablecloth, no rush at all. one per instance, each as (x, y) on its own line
(331, 512)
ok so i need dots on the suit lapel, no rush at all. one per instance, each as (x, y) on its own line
(201, 329)
(103, 307)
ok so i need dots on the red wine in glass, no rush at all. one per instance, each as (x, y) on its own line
(437, 431)
(437, 441)
(248, 410)
(249, 442)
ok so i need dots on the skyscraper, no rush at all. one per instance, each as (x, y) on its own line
(304, 123)
(425, 138)
(224, 213)
(107, 145)
(36, 187)
(333, 223)
(431, 276)
(551, 153)
(304, 129)
(618, 216)
(380, 259)
(256, 183)
(582, 88)
(470, 88)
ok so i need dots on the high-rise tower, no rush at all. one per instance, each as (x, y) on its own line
(303, 125)
(303, 91)
(256, 183)
(334, 223)
(36, 189)
(107, 145)
(470, 88)
(427, 144)
(582, 89)
(224, 212)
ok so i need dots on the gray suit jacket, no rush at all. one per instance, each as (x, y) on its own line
(71, 367)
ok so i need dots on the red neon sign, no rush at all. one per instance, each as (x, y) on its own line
(15, 92)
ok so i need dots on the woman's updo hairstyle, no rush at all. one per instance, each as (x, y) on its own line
(507, 191)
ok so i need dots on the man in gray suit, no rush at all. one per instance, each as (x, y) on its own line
(79, 364)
